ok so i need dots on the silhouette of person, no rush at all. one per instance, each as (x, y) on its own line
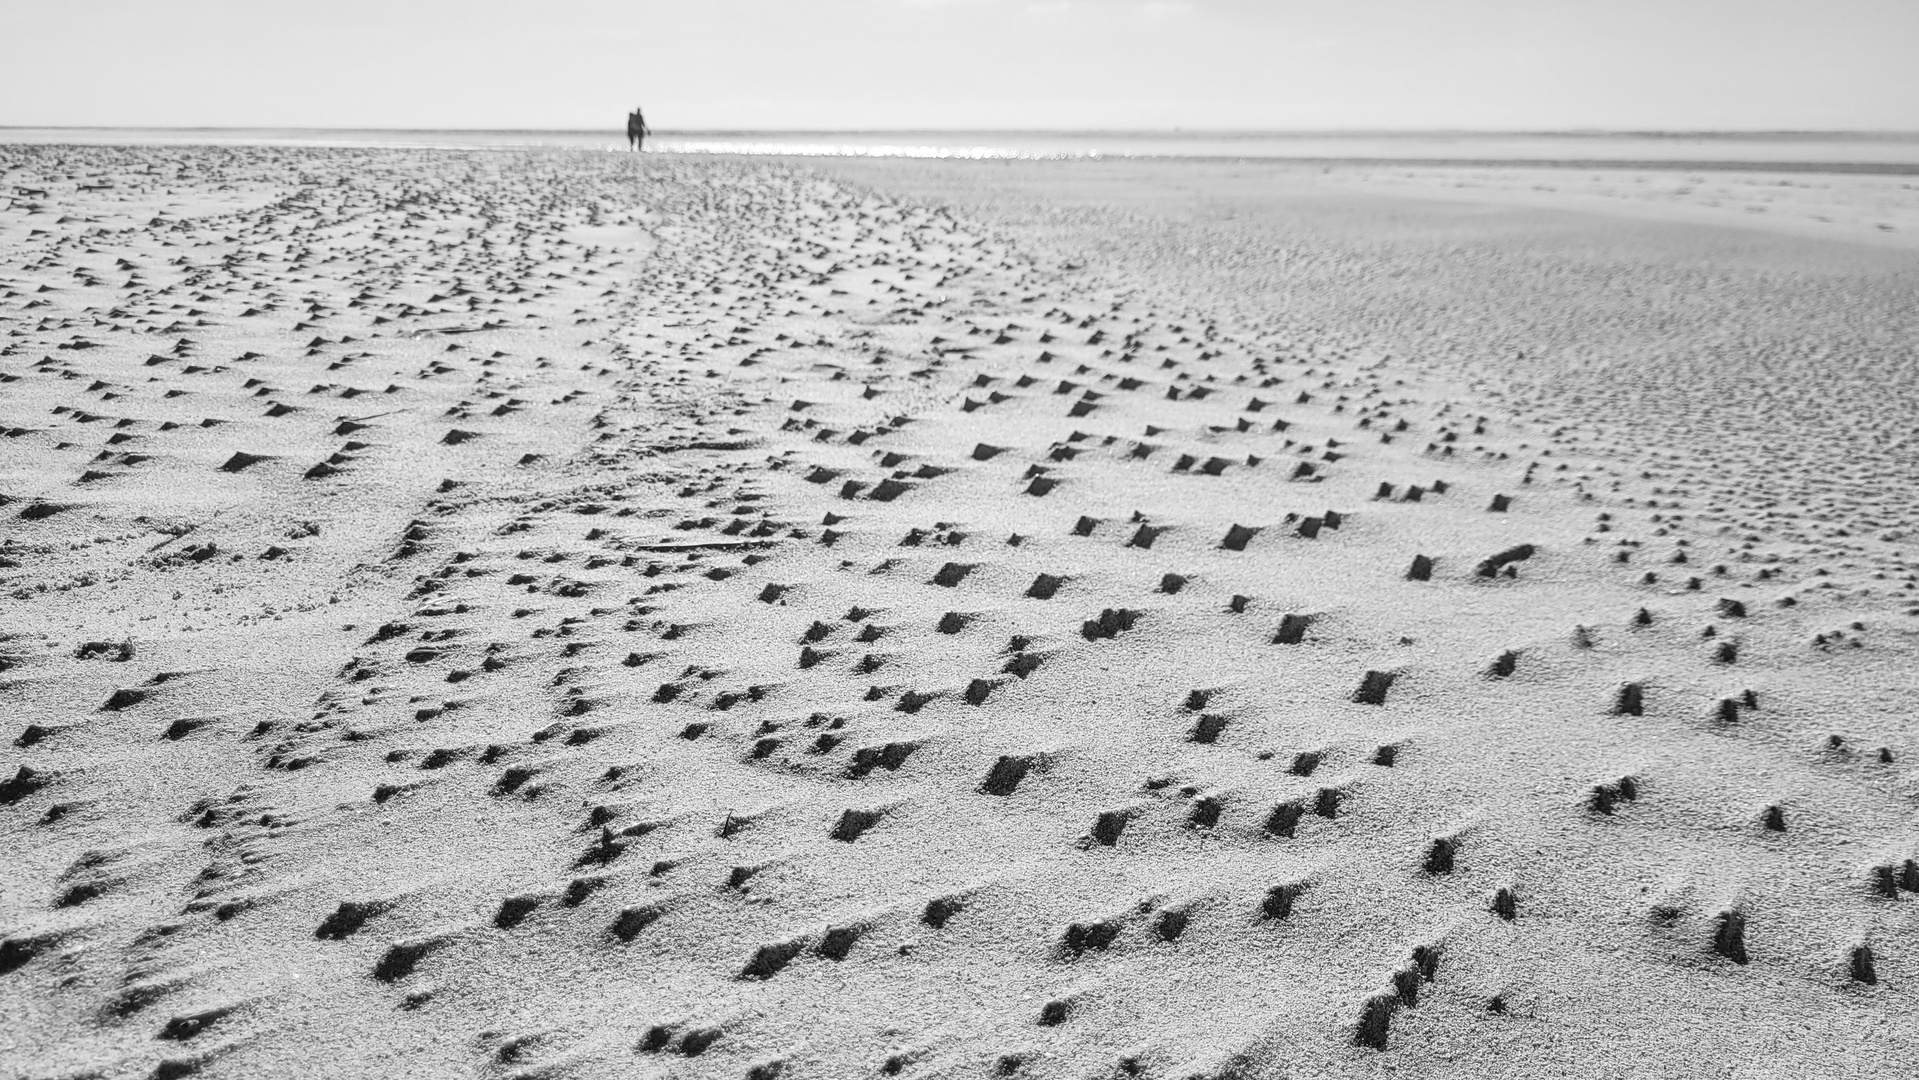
(636, 130)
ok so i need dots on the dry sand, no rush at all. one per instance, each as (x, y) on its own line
(577, 615)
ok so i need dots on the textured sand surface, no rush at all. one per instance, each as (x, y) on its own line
(572, 614)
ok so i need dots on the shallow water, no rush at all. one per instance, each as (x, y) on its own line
(1898, 152)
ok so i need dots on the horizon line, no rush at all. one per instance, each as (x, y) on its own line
(1159, 131)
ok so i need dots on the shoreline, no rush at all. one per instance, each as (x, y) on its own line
(1884, 153)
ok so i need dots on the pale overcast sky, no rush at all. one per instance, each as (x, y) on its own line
(903, 64)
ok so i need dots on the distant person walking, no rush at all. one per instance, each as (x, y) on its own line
(636, 130)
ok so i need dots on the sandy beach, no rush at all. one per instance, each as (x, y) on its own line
(577, 614)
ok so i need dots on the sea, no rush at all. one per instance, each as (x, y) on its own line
(1786, 151)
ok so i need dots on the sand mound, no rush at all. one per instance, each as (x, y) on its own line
(552, 615)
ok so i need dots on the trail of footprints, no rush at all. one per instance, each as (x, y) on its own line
(875, 650)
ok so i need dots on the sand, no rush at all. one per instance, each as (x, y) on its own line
(587, 615)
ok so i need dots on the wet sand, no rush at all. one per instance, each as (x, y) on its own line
(570, 614)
